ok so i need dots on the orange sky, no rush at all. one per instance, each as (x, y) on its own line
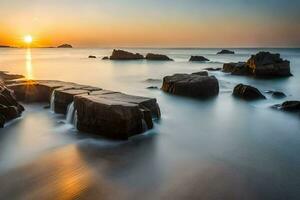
(94, 24)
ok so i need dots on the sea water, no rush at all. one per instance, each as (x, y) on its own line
(222, 148)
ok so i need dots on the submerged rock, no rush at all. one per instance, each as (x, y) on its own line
(289, 106)
(91, 56)
(213, 69)
(225, 51)
(247, 92)
(158, 57)
(192, 85)
(65, 46)
(198, 59)
(201, 73)
(125, 55)
(105, 58)
(152, 87)
(107, 113)
(276, 94)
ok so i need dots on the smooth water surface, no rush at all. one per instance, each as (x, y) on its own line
(222, 148)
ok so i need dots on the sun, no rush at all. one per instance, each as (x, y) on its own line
(28, 39)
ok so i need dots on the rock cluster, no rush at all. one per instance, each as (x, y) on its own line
(107, 113)
(263, 64)
(198, 85)
(198, 59)
(247, 92)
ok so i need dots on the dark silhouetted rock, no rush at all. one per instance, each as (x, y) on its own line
(125, 55)
(65, 46)
(158, 57)
(6, 76)
(225, 51)
(289, 106)
(191, 85)
(152, 87)
(247, 92)
(213, 69)
(198, 59)
(92, 56)
(105, 58)
(268, 64)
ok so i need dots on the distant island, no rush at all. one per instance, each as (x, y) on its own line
(5, 46)
(65, 46)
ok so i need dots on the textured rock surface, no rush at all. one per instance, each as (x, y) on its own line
(193, 85)
(247, 92)
(263, 64)
(159, 57)
(198, 58)
(125, 55)
(107, 113)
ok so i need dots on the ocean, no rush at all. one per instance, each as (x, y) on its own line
(221, 148)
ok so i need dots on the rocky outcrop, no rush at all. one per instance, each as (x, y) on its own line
(225, 51)
(268, 64)
(157, 57)
(6, 76)
(9, 107)
(107, 113)
(192, 85)
(198, 59)
(65, 46)
(247, 92)
(125, 55)
(91, 56)
(263, 64)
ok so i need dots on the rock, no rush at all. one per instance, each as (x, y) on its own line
(201, 73)
(213, 69)
(153, 80)
(198, 59)
(158, 57)
(247, 92)
(192, 85)
(92, 56)
(5, 76)
(65, 46)
(289, 106)
(152, 87)
(225, 51)
(268, 64)
(2, 121)
(9, 112)
(125, 55)
(107, 113)
(239, 68)
(105, 58)
(276, 94)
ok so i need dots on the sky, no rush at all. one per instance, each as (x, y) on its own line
(151, 23)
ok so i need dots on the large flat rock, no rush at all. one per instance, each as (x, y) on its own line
(107, 113)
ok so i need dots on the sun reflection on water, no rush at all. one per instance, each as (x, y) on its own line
(29, 73)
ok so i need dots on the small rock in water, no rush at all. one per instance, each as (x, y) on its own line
(47, 107)
(198, 59)
(289, 106)
(247, 92)
(152, 87)
(225, 51)
(201, 73)
(276, 94)
(157, 57)
(92, 56)
(125, 55)
(105, 58)
(153, 80)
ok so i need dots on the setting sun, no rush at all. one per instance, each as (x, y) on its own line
(28, 39)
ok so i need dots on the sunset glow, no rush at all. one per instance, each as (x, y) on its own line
(28, 39)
